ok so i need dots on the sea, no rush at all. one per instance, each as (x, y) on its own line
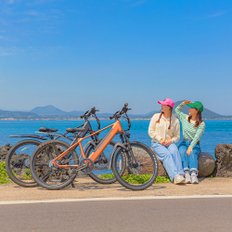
(217, 131)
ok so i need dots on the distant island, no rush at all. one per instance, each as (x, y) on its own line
(51, 112)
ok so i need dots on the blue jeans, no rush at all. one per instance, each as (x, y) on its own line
(170, 158)
(189, 162)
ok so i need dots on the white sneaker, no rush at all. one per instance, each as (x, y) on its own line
(187, 177)
(179, 179)
(194, 179)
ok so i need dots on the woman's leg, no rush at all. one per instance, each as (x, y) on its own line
(193, 164)
(184, 157)
(193, 158)
(165, 156)
(176, 158)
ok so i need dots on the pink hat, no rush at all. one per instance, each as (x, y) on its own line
(167, 102)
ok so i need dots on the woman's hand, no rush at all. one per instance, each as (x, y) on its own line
(162, 141)
(189, 151)
(167, 142)
(185, 102)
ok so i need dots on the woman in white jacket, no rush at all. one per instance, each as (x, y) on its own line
(164, 130)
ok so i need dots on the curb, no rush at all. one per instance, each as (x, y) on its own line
(115, 199)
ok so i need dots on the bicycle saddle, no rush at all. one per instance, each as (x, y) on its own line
(74, 130)
(47, 130)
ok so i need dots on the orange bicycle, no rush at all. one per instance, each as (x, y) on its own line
(134, 164)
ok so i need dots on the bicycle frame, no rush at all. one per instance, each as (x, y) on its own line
(115, 129)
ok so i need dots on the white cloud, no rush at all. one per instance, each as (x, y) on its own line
(33, 13)
(9, 51)
(37, 2)
(217, 14)
(10, 1)
(14, 20)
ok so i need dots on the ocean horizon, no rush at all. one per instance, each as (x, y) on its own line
(217, 131)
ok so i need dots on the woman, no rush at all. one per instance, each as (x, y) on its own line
(164, 130)
(193, 128)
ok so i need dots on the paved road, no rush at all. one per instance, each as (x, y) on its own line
(128, 215)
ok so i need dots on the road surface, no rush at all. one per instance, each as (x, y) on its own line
(174, 215)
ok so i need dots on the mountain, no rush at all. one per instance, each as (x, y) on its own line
(52, 112)
(17, 114)
(207, 114)
(48, 111)
(75, 113)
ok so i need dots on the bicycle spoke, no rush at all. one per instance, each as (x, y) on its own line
(18, 163)
(45, 178)
(48, 176)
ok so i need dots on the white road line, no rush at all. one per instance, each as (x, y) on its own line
(115, 199)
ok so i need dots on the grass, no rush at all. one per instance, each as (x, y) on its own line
(4, 179)
(162, 179)
(138, 179)
(131, 178)
(27, 175)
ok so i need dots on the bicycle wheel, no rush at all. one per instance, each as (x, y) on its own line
(18, 163)
(141, 166)
(44, 173)
(102, 169)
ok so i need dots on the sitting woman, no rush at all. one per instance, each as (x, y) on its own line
(164, 130)
(189, 148)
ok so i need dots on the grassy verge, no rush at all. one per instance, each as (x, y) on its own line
(27, 174)
(134, 179)
(4, 179)
(138, 179)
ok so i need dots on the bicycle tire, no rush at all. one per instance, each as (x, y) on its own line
(146, 173)
(41, 180)
(12, 164)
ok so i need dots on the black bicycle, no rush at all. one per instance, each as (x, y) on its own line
(18, 158)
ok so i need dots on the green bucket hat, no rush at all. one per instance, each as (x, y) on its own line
(197, 105)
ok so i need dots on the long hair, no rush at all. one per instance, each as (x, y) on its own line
(199, 118)
(160, 116)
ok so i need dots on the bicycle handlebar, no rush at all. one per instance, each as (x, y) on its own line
(118, 114)
(124, 110)
(84, 115)
(115, 115)
(92, 112)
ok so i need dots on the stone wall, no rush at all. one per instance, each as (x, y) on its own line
(3, 152)
(223, 154)
(206, 166)
(222, 167)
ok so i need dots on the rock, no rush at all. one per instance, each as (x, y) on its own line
(206, 166)
(223, 154)
(4, 151)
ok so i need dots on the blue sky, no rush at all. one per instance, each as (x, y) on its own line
(79, 53)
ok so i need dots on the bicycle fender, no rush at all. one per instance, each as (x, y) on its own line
(32, 136)
(115, 148)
